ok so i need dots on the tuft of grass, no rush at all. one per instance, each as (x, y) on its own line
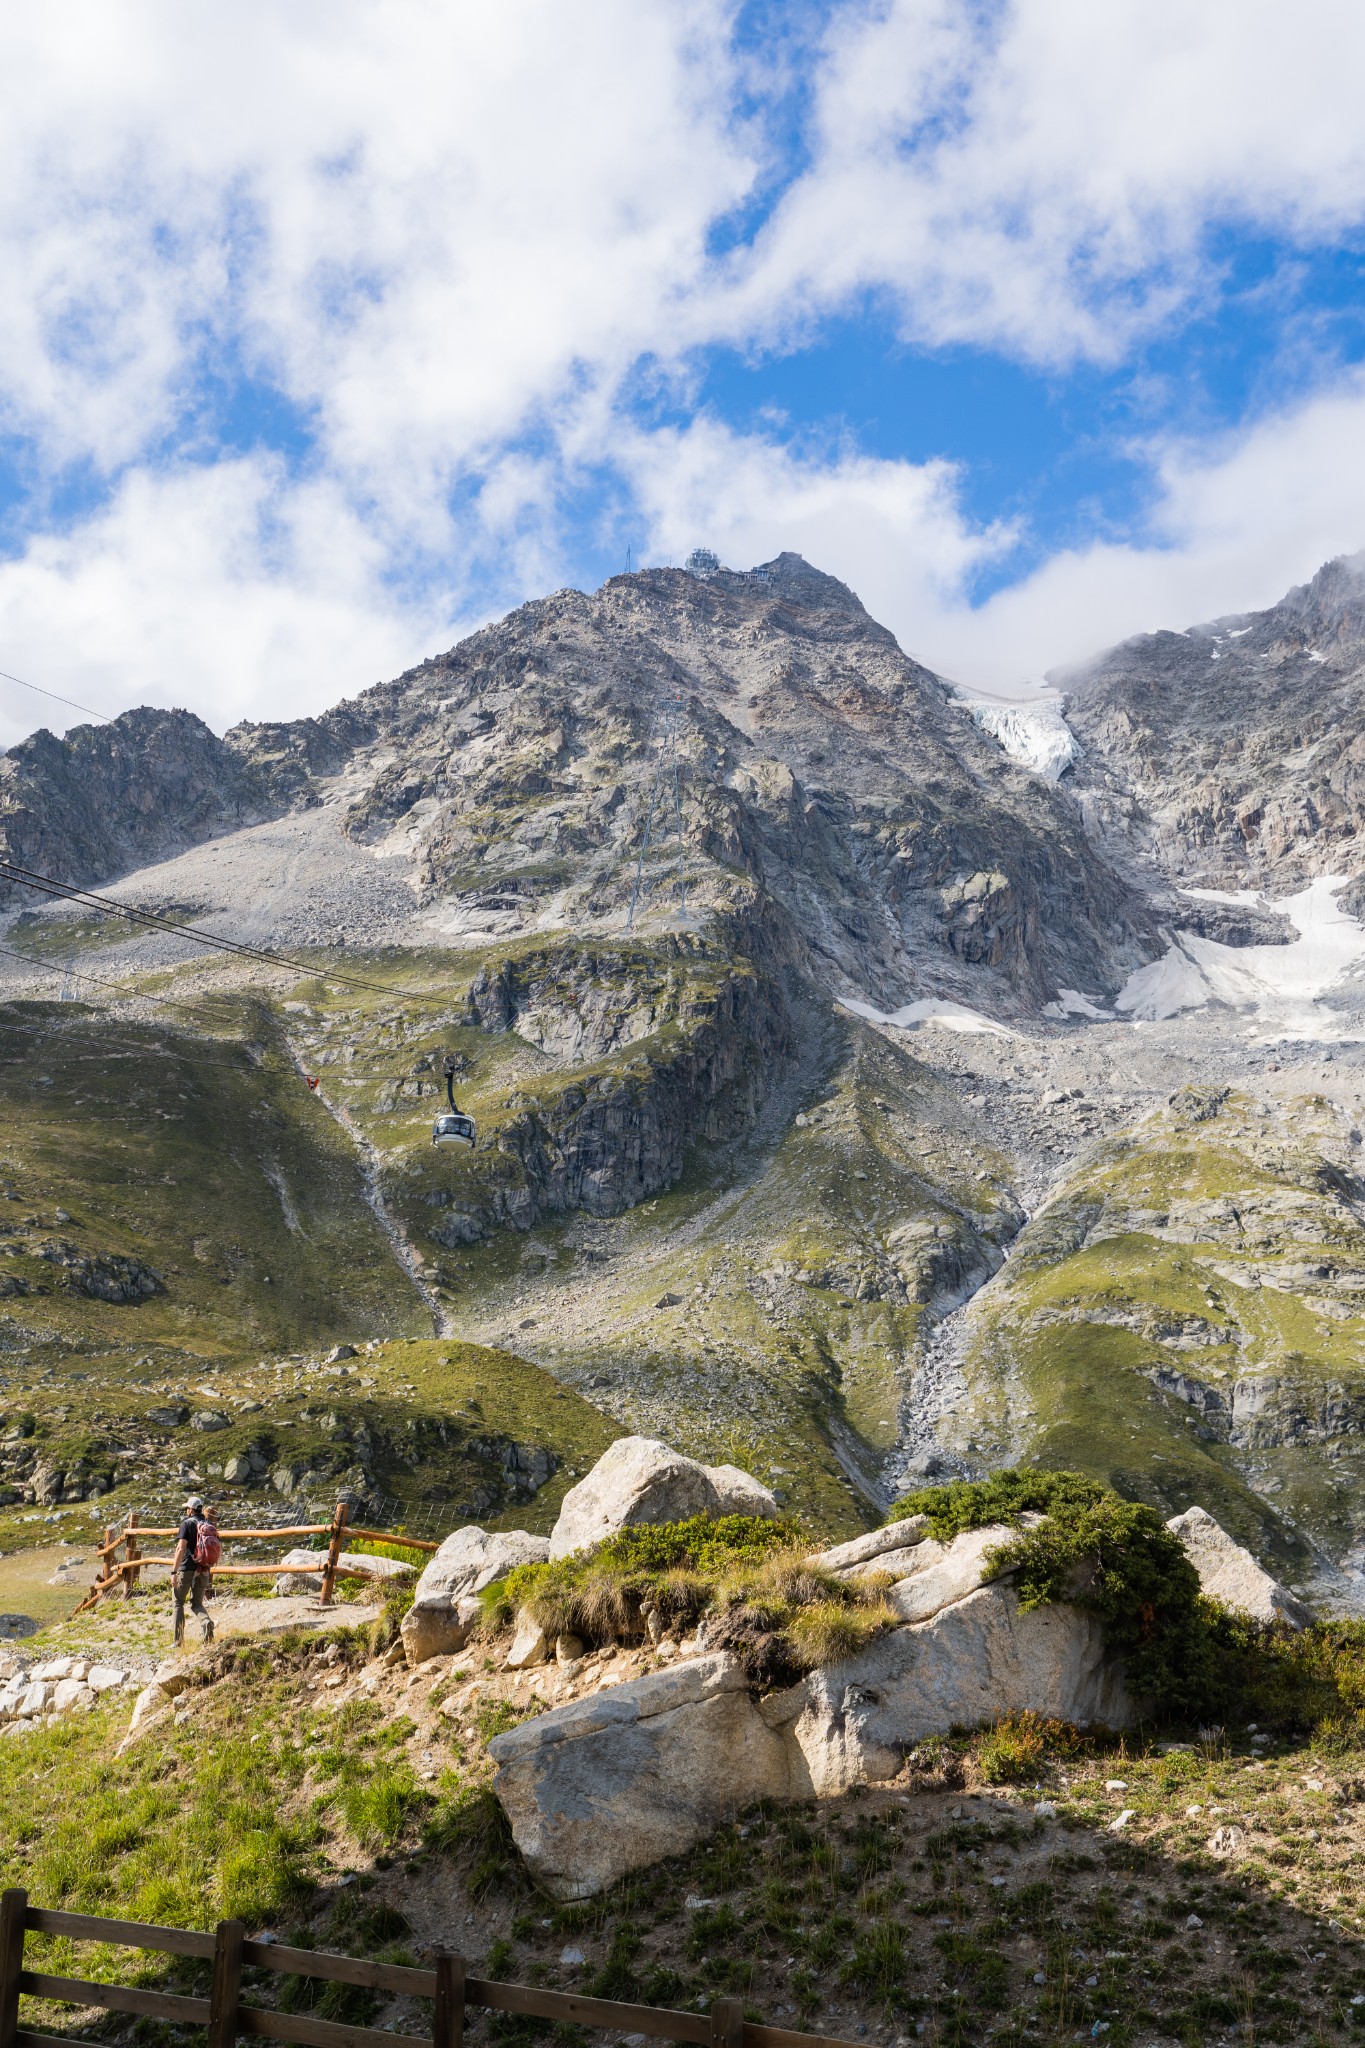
(751, 1575)
(602, 1595)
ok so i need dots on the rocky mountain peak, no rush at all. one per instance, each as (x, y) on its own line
(1231, 755)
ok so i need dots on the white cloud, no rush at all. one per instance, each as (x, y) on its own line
(448, 233)
(1235, 523)
(219, 589)
(425, 221)
(1041, 176)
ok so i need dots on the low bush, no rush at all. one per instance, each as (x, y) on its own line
(1092, 1547)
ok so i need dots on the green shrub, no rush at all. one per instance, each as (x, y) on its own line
(1114, 1556)
(1003, 1497)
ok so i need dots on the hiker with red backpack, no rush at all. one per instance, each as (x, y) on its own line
(197, 1550)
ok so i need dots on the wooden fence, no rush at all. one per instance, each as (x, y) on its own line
(116, 1572)
(226, 2017)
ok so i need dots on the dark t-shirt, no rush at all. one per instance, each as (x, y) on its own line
(189, 1536)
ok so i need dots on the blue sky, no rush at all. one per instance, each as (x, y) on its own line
(326, 339)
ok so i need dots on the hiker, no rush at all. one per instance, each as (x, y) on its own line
(196, 1552)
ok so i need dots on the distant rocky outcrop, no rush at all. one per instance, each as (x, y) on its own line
(108, 798)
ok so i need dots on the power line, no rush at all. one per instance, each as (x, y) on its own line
(102, 716)
(47, 885)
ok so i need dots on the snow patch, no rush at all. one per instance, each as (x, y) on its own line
(1282, 986)
(950, 1016)
(1071, 1003)
(1035, 735)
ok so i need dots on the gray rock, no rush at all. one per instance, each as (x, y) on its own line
(940, 1573)
(440, 1619)
(636, 1773)
(292, 1580)
(977, 1659)
(639, 1480)
(880, 1550)
(530, 1644)
(1230, 1574)
(208, 1419)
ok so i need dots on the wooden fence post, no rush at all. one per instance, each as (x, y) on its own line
(727, 2023)
(13, 1907)
(329, 1576)
(227, 1981)
(448, 2031)
(131, 1551)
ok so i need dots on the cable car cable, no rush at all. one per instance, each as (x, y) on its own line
(103, 716)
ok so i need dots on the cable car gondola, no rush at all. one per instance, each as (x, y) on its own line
(452, 1127)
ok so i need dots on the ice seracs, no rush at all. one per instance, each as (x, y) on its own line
(1036, 735)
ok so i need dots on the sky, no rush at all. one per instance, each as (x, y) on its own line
(328, 334)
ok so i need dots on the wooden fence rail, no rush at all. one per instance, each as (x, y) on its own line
(227, 2018)
(123, 1573)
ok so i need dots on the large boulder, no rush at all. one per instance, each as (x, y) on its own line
(1231, 1575)
(636, 1773)
(975, 1660)
(442, 1613)
(640, 1480)
(643, 1770)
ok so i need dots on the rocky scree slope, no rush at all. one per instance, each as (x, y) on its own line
(1232, 755)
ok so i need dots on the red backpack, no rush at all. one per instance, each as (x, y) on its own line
(208, 1547)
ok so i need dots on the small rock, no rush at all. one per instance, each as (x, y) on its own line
(171, 1677)
(1309, 1784)
(1046, 1809)
(568, 1649)
(694, 1904)
(571, 1956)
(1226, 1841)
(530, 1644)
(1121, 1820)
(1116, 1784)
(339, 1352)
(1193, 1920)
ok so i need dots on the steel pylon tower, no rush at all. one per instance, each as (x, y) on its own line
(665, 798)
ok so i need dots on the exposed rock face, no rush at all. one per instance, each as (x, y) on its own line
(107, 798)
(470, 1559)
(1233, 754)
(641, 1480)
(643, 1770)
(1232, 1575)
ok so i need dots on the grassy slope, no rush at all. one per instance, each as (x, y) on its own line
(208, 1160)
(1221, 1248)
